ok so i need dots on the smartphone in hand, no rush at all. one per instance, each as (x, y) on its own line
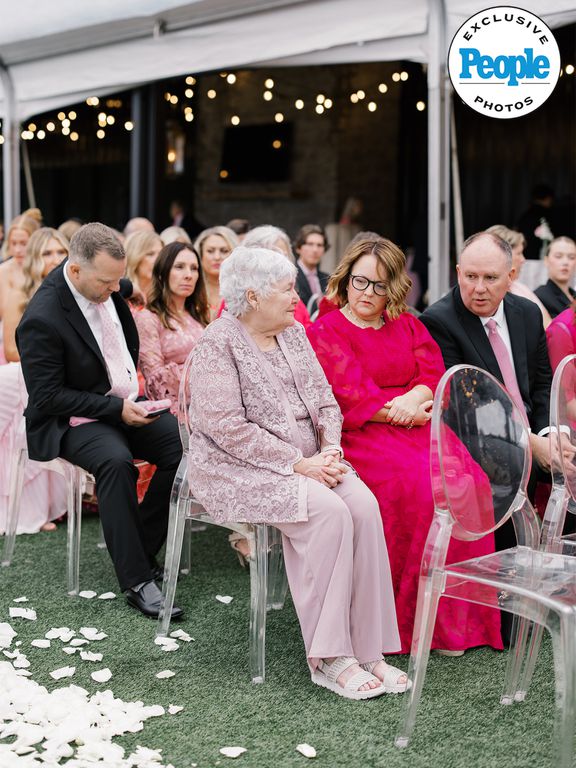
(156, 407)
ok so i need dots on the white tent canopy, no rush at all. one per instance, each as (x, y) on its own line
(58, 53)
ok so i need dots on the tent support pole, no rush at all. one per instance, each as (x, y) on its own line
(11, 149)
(136, 165)
(438, 156)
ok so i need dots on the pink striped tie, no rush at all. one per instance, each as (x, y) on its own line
(504, 363)
(120, 380)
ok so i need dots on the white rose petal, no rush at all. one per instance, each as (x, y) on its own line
(102, 675)
(89, 656)
(226, 599)
(164, 674)
(107, 596)
(306, 750)
(20, 600)
(232, 751)
(60, 633)
(91, 633)
(69, 649)
(11, 654)
(7, 634)
(22, 613)
(173, 709)
(41, 643)
(179, 634)
(24, 672)
(21, 662)
(78, 641)
(87, 593)
(58, 674)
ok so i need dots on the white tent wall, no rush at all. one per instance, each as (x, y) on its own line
(59, 53)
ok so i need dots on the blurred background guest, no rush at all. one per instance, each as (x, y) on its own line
(175, 235)
(69, 228)
(180, 216)
(13, 251)
(240, 226)
(214, 245)
(174, 320)
(138, 224)
(384, 366)
(142, 249)
(557, 294)
(517, 242)
(310, 245)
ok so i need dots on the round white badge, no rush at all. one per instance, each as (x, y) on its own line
(504, 62)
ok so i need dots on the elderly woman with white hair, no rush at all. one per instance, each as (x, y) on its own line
(275, 239)
(265, 448)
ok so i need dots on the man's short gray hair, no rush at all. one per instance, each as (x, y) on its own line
(496, 239)
(90, 240)
(266, 237)
(251, 269)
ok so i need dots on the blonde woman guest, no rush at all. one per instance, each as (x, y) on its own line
(214, 245)
(517, 242)
(175, 235)
(13, 252)
(384, 366)
(44, 493)
(560, 261)
(173, 321)
(265, 448)
(142, 249)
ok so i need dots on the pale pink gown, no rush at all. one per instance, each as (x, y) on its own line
(44, 492)
(163, 353)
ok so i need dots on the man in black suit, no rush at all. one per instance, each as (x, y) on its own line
(310, 246)
(458, 323)
(78, 346)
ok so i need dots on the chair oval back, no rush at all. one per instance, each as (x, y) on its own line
(563, 423)
(480, 453)
(184, 405)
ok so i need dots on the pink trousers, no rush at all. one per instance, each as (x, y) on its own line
(339, 574)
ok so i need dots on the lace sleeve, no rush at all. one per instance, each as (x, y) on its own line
(162, 378)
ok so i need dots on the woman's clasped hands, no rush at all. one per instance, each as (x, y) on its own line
(324, 467)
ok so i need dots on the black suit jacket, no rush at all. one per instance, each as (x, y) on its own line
(554, 298)
(462, 339)
(303, 286)
(63, 367)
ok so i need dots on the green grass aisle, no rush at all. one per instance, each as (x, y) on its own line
(461, 723)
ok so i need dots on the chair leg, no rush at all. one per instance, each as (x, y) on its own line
(564, 643)
(277, 580)
(178, 510)
(186, 556)
(425, 619)
(15, 495)
(518, 641)
(531, 657)
(258, 600)
(74, 488)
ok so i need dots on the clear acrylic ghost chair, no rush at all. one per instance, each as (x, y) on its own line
(563, 496)
(268, 582)
(480, 462)
(75, 478)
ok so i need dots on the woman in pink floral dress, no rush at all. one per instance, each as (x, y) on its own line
(173, 321)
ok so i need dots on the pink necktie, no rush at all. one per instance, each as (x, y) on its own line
(314, 282)
(118, 373)
(504, 363)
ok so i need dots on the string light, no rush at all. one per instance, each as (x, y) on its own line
(188, 117)
(372, 106)
(361, 94)
(100, 133)
(129, 125)
(569, 69)
(383, 88)
(65, 131)
(269, 83)
(171, 157)
(66, 123)
(403, 76)
(173, 99)
(267, 95)
(277, 144)
(61, 116)
(41, 134)
(190, 80)
(420, 106)
(72, 115)
(299, 104)
(319, 109)
(396, 77)
(327, 103)
(110, 119)
(211, 93)
(74, 136)
(167, 95)
(279, 117)
(354, 98)
(320, 98)
(1, 139)
(223, 174)
(102, 117)
(50, 126)
(231, 78)
(235, 120)
(188, 93)
(93, 101)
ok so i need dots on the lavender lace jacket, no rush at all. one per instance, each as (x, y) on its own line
(244, 437)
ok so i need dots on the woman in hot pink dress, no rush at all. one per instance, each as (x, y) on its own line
(384, 366)
(174, 320)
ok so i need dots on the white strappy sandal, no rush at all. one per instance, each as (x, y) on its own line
(392, 675)
(327, 676)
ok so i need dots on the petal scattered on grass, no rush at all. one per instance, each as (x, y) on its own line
(87, 593)
(179, 634)
(7, 634)
(306, 750)
(69, 649)
(226, 599)
(58, 674)
(106, 596)
(22, 613)
(41, 643)
(20, 599)
(173, 709)
(232, 751)
(60, 633)
(91, 633)
(164, 674)
(101, 675)
(89, 656)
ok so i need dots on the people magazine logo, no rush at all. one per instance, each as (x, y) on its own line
(504, 62)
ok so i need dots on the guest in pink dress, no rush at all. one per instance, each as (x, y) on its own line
(265, 448)
(383, 366)
(174, 320)
(561, 336)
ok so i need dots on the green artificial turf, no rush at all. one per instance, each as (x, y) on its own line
(460, 725)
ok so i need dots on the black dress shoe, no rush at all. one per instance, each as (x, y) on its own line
(148, 600)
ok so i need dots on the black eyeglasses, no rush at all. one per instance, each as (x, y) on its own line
(361, 283)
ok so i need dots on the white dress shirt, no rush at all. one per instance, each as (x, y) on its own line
(90, 312)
